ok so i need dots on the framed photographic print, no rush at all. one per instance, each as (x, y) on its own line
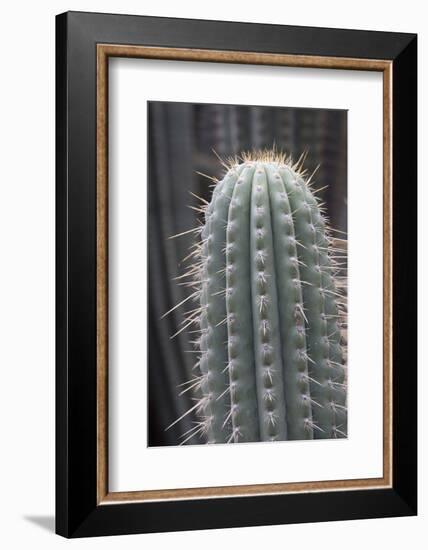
(236, 274)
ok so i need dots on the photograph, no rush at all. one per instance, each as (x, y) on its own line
(235, 280)
(212, 265)
(247, 269)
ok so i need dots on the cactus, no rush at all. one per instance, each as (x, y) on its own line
(271, 355)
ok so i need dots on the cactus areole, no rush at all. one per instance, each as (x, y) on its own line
(268, 310)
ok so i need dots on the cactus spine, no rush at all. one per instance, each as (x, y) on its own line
(271, 354)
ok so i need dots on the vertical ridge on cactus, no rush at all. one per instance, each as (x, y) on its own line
(271, 356)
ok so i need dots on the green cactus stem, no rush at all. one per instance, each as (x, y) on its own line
(269, 309)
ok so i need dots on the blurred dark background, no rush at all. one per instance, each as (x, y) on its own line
(182, 137)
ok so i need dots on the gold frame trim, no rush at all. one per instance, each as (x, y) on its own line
(104, 51)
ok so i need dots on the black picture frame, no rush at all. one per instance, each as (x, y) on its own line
(78, 512)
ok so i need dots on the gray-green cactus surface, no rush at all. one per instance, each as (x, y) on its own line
(269, 310)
